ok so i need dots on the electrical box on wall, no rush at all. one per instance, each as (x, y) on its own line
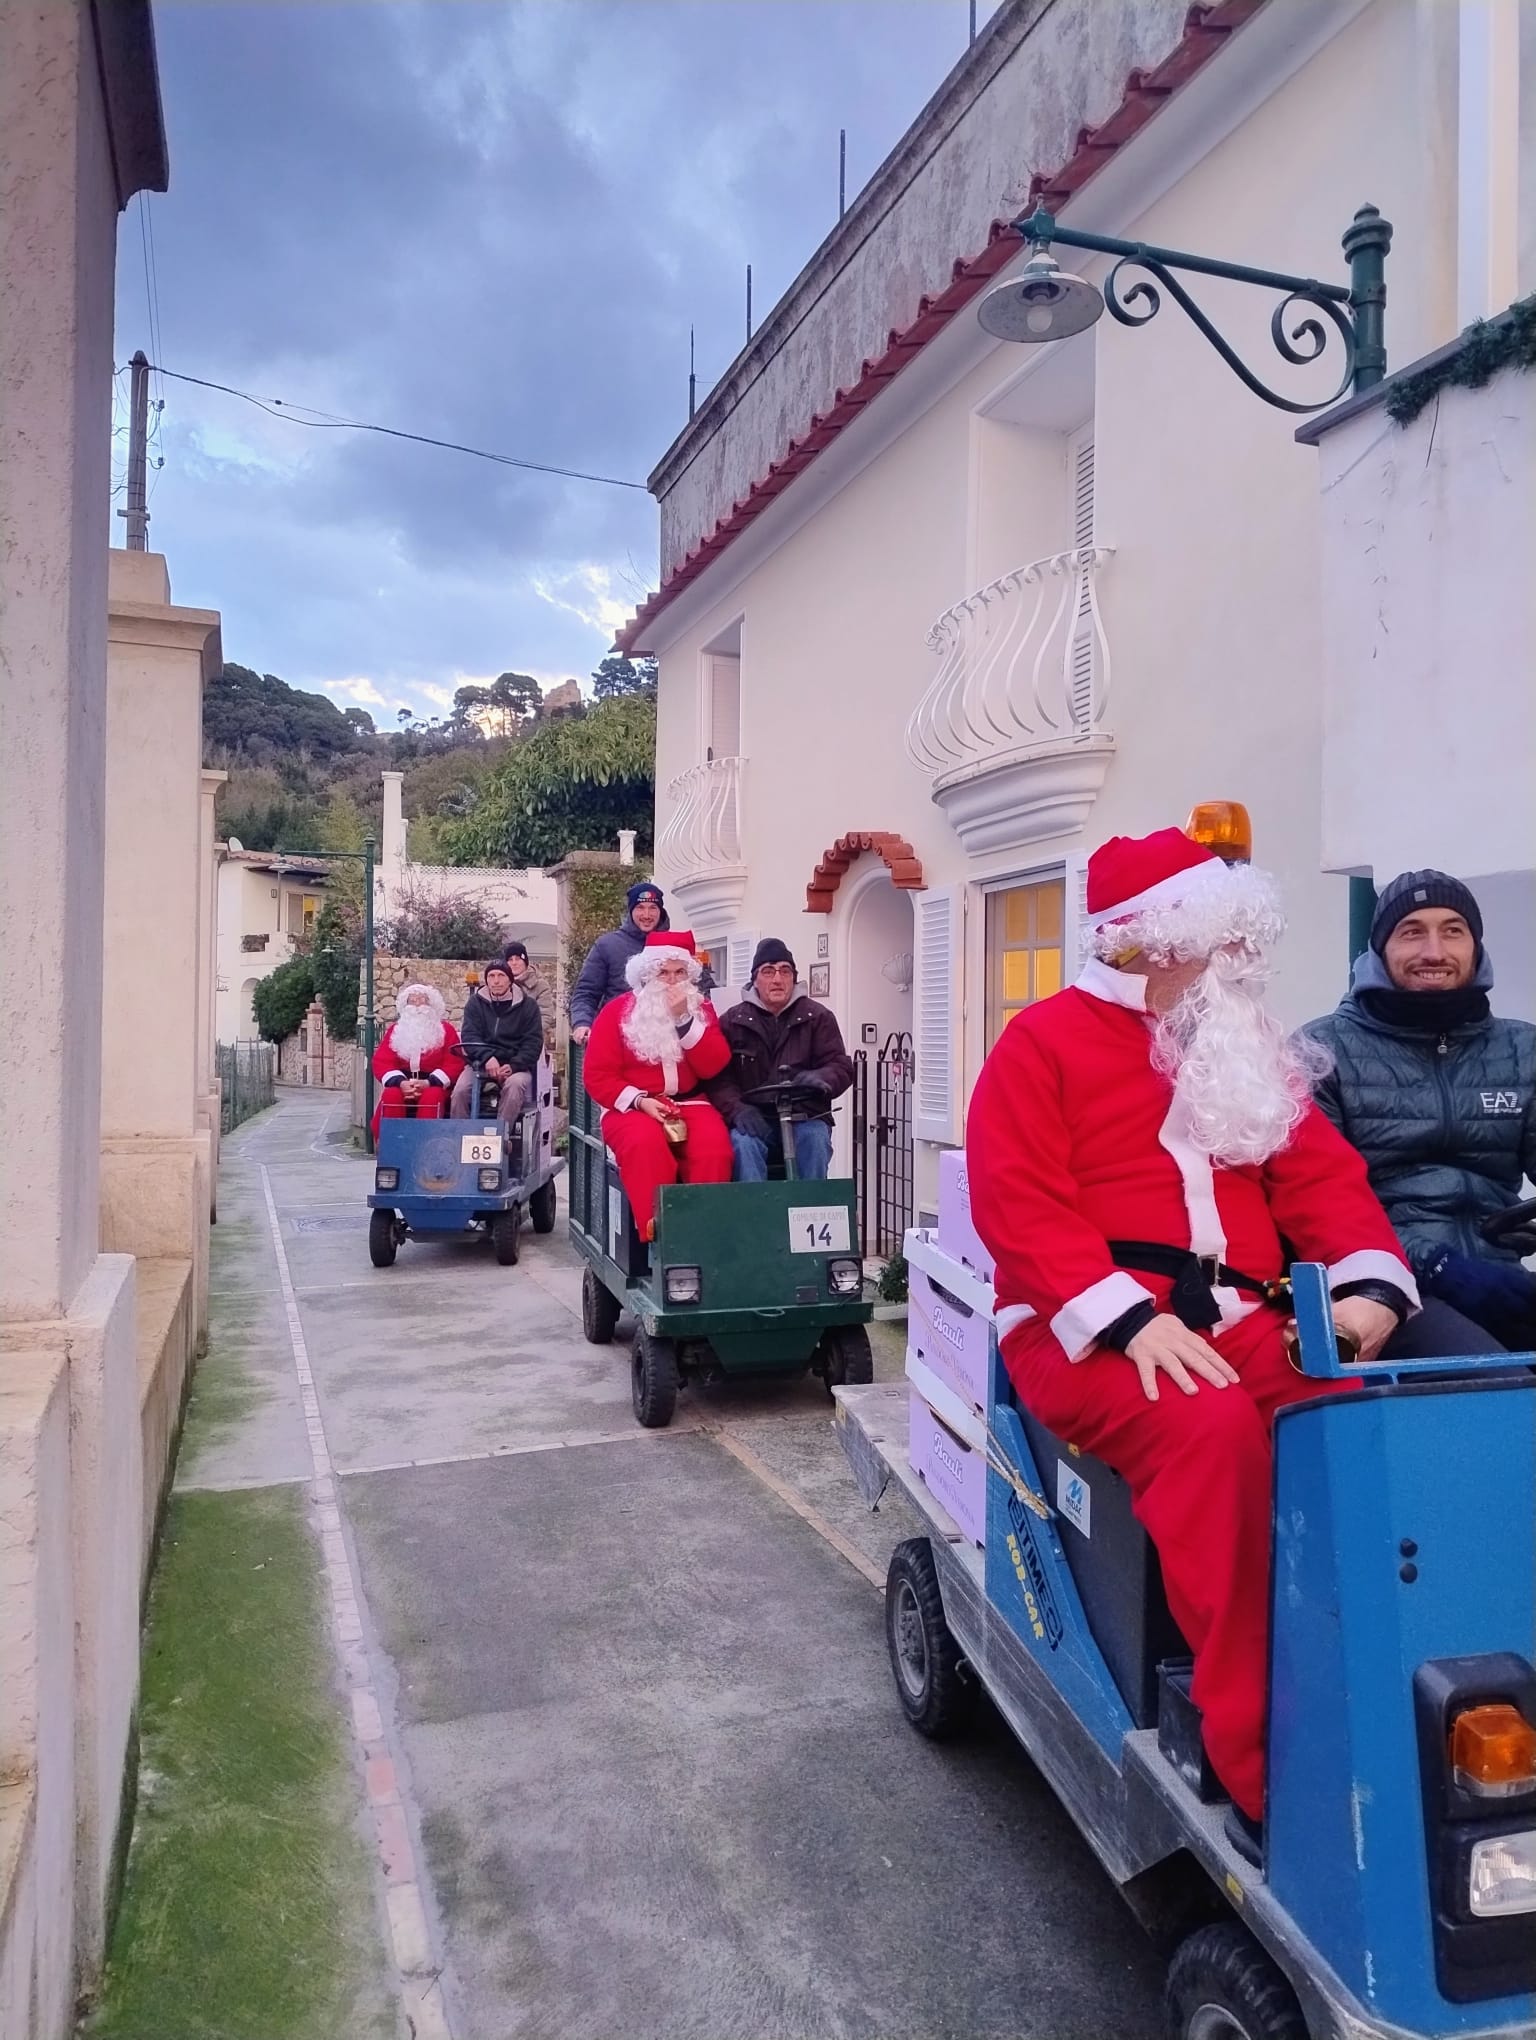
(869, 1033)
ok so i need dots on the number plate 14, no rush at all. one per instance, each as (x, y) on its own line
(819, 1229)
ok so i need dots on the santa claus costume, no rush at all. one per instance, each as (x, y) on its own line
(1108, 1148)
(639, 1050)
(422, 1043)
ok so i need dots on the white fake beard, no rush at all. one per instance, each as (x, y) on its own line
(650, 1026)
(1244, 1085)
(416, 1033)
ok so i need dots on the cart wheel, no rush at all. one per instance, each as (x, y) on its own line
(504, 1236)
(653, 1380)
(599, 1309)
(381, 1238)
(1222, 1986)
(924, 1654)
(541, 1207)
(846, 1360)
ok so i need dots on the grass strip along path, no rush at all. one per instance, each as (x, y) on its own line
(247, 1911)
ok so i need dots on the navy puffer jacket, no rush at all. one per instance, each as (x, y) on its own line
(1446, 1123)
(602, 975)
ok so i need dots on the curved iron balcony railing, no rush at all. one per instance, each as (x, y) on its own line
(1023, 661)
(703, 831)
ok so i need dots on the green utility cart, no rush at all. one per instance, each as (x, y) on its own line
(741, 1279)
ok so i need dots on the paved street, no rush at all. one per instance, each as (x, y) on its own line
(645, 1765)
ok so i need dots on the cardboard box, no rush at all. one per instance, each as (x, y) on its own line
(951, 1338)
(957, 1233)
(967, 1423)
(953, 1471)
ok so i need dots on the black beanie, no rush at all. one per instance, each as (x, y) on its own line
(496, 963)
(643, 889)
(771, 950)
(1409, 891)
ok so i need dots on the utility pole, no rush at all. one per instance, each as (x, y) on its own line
(137, 512)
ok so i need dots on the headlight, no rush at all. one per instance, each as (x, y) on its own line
(386, 1179)
(490, 1179)
(682, 1285)
(845, 1278)
(1502, 1877)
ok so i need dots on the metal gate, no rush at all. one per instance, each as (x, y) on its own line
(882, 1146)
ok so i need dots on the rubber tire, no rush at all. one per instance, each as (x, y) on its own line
(1223, 1968)
(381, 1238)
(653, 1380)
(599, 1310)
(938, 1701)
(847, 1359)
(504, 1241)
(542, 1207)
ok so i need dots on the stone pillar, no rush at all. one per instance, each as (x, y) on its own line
(392, 858)
(157, 1163)
(80, 116)
(210, 1102)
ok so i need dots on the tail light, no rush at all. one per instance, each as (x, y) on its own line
(1493, 1751)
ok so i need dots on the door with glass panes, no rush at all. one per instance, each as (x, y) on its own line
(1026, 934)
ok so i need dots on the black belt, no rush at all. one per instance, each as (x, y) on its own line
(1194, 1278)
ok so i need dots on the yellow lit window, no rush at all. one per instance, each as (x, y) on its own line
(1025, 942)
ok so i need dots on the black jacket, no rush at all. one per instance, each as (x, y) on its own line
(803, 1040)
(508, 1029)
(1446, 1123)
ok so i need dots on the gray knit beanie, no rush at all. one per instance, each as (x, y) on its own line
(1410, 890)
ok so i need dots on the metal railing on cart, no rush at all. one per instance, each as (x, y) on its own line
(247, 1073)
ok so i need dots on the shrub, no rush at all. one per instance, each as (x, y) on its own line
(282, 999)
(442, 926)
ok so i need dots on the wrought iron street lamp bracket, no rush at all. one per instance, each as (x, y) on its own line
(1352, 312)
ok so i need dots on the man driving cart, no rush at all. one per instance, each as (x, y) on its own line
(778, 1035)
(1138, 1145)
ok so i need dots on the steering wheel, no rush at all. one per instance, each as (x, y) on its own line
(1513, 1228)
(788, 1093)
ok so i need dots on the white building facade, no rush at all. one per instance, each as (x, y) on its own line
(939, 613)
(267, 905)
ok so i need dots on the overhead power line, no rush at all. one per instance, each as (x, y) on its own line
(323, 422)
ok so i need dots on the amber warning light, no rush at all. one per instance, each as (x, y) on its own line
(1493, 1750)
(1222, 826)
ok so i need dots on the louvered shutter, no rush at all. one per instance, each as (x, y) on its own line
(738, 953)
(1075, 921)
(939, 917)
(724, 706)
(1080, 511)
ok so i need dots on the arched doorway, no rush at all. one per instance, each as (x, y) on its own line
(874, 940)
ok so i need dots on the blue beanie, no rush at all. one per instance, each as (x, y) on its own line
(643, 890)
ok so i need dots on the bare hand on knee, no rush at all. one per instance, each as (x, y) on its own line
(1167, 1345)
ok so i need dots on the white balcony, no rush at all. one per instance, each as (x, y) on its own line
(1012, 728)
(698, 852)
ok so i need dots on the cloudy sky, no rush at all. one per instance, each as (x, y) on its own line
(491, 223)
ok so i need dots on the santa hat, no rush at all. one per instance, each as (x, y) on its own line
(434, 999)
(660, 945)
(1129, 875)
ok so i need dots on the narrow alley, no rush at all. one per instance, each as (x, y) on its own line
(620, 1699)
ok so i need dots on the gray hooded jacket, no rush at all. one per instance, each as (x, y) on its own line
(1446, 1122)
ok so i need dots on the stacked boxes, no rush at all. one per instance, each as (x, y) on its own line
(950, 1354)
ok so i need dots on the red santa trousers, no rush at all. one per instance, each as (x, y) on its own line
(647, 1159)
(1199, 1470)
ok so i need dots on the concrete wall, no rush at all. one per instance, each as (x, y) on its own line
(1211, 600)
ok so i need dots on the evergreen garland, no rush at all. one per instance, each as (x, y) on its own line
(1487, 346)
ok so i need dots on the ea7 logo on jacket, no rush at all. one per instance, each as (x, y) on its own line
(1500, 1104)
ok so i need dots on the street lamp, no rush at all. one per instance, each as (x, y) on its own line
(1045, 302)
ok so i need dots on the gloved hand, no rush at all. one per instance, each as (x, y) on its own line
(809, 1081)
(1498, 1295)
(750, 1123)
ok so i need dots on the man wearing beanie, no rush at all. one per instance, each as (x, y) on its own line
(602, 976)
(1440, 1098)
(502, 1038)
(774, 1033)
(1137, 1146)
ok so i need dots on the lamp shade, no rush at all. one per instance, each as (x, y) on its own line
(1043, 302)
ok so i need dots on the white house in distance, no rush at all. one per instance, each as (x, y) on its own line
(265, 901)
(522, 901)
(938, 613)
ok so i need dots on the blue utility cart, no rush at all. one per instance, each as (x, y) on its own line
(439, 1179)
(1397, 1896)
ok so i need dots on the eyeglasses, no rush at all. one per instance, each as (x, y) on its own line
(775, 970)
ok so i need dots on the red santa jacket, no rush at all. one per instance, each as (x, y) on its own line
(617, 1078)
(1072, 1141)
(441, 1064)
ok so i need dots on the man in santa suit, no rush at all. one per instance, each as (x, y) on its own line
(417, 1060)
(647, 1055)
(1151, 1113)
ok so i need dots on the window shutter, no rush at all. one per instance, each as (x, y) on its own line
(738, 955)
(1075, 924)
(1080, 509)
(939, 917)
(724, 706)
